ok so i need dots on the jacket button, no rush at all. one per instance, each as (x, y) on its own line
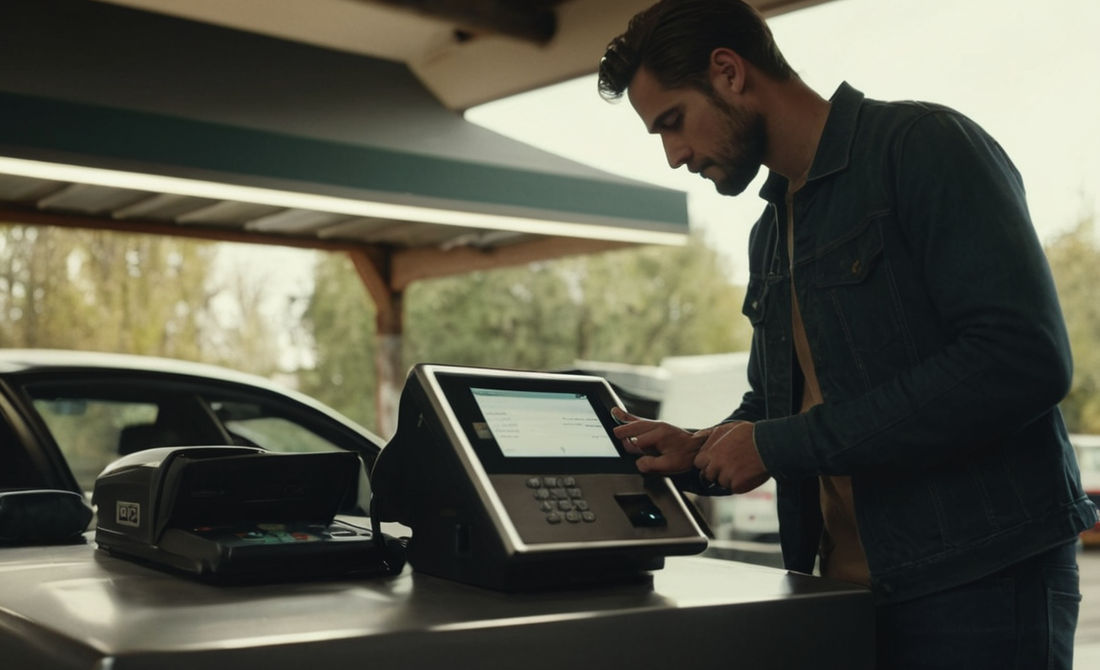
(755, 304)
(856, 265)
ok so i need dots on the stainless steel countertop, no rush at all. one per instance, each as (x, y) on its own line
(74, 606)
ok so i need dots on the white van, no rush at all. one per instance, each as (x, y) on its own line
(1088, 457)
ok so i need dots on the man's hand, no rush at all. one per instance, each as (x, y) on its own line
(665, 449)
(729, 457)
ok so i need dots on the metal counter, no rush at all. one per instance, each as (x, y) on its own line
(74, 607)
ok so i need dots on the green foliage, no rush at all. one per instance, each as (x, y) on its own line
(78, 289)
(514, 317)
(643, 305)
(632, 306)
(103, 291)
(339, 318)
(1075, 261)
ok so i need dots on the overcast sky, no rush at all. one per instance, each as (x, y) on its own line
(1027, 71)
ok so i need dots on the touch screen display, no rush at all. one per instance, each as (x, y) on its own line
(540, 424)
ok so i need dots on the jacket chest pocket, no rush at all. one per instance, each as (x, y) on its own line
(755, 300)
(856, 299)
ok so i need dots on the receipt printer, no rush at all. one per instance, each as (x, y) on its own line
(513, 480)
(229, 512)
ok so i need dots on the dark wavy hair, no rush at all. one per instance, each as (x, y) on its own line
(673, 39)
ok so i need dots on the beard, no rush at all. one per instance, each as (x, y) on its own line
(741, 152)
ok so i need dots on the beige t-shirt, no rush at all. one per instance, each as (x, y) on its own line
(841, 551)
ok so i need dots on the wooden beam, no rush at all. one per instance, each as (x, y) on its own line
(373, 269)
(425, 263)
(15, 214)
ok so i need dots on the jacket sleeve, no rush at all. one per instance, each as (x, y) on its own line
(1005, 357)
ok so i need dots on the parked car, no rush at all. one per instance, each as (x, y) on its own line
(1088, 458)
(65, 415)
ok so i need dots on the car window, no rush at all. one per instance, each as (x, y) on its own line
(269, 426)
(278, 434)
(94, 422)
(89, 431)
(277, 427)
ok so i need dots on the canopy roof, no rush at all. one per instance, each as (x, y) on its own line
(323, 123)
(465, 52)
(197, 126)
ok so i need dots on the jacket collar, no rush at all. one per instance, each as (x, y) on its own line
(835, 148)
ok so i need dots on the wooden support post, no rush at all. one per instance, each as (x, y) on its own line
(373, 268)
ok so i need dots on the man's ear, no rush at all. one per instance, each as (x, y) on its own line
(728, 71)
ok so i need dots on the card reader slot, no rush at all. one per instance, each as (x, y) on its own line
(641, 510)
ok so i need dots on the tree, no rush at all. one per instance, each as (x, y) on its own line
(632, 306)
(103, 291)
(240, 330)
(1075, 261)
(339, 323)
(39, 302)
(645, 304)
(513, 317)
(149, 293)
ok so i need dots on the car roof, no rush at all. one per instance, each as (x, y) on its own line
(39, 360)
(16, 362)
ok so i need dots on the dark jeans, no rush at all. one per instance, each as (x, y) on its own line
(1021, 618)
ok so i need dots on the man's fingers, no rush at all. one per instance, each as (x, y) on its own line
(634, 444)
(623, 416)
(630, 442)
(662, 463)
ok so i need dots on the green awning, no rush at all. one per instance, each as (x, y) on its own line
(137, 94)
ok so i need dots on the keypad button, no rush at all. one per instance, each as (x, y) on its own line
(553, 517)
(588, 517)
(569, 481)
(574, 493)
(542, 494)
(558, 494)
(546, 506)
(582, 505)
(573, 517)
(534, 483)
(565, 505)
(551, 482)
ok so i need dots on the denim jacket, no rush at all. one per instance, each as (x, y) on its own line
(938, 343)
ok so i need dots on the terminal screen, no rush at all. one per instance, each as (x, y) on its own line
(540, 424)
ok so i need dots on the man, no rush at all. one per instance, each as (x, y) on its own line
(908, 349)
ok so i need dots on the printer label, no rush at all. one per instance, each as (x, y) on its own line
(128, 513)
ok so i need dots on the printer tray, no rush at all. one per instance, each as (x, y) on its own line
(262, 552)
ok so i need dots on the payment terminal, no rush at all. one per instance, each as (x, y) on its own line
(234, 513)
(513, 480)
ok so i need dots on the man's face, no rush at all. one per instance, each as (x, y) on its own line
(712, 136)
